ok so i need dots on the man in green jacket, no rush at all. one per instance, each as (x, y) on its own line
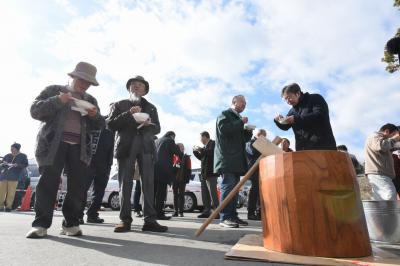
(230, 158)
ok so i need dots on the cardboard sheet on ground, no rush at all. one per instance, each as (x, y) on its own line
(250, 248)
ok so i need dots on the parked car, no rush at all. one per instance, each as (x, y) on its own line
(34, 175)
(193, 199)
(111, 194)
(192, 195)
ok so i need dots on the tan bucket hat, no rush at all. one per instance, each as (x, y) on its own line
(86, 72)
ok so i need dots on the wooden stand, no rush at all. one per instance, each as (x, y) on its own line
(311, 205)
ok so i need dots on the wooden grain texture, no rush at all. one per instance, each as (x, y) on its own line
(311, 205)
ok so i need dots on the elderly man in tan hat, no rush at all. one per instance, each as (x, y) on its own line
(135, 121)
(67, 115)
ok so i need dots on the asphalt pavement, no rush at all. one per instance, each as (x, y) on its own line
(101, 246)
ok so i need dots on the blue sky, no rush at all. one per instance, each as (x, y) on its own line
(198, 54)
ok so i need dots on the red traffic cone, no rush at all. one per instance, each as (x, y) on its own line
(26, 202)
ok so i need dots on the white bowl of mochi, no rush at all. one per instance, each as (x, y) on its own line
(141, 117)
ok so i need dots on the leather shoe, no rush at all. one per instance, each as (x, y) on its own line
(240, 222)
(95, 220)
(163, 217)
(204, 215)
(153, 226)
(122, 227)
(253, 217)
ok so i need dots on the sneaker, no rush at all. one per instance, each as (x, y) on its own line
(81, 221)
(71, 231)
(181, 214)
(240, 222)
(154, 227)
(229, 223)
(122, 227)
(204, 215)
(138, 214)
(37, 232)
(95, 220)
(175, 214)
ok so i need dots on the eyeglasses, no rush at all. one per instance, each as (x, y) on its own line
(290, 97)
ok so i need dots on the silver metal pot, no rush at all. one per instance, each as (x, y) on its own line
(383, 220)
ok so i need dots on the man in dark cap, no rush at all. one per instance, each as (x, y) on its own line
(135, 121)
(309, 119)
(13, 167)
(68, 114)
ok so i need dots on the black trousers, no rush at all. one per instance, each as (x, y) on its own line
(396, 183)
(254, 194)
(67, 156)
(179, 196)
(19, 195)
(137, 207)
(160, 196)
(99, 177)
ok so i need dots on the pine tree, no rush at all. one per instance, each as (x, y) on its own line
(390, 58)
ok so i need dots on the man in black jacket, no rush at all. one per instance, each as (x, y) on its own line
(252, 155)
(99, 172)
(166, 148)
(309, 118)
(135, 141)
(209, 192)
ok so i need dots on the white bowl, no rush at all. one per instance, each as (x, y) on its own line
(283, 121)
(141, 117)
(81, 104)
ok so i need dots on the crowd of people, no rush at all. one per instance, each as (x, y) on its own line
(76, 139)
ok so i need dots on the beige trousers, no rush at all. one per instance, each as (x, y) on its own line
(7, 193)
